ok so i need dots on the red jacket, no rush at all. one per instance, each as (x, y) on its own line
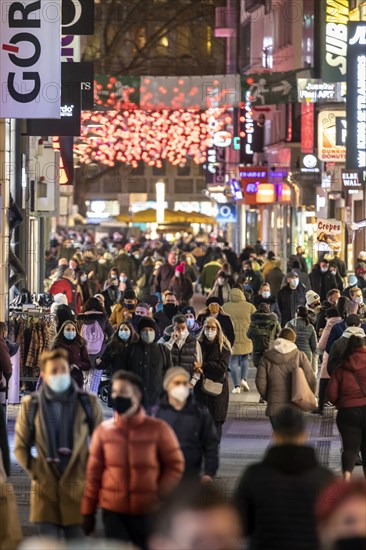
(64, 286)
(343, 389)
(132, 464)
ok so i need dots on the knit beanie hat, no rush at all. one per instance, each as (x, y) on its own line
(172, 373)
(213, 300)
(60, 299)
(181, 267)
(189, 309)
(311, 297)
(147, 322)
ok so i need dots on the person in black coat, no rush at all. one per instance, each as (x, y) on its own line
(322, 279)
(4, 445)
(192, 423)
(216, 351)
(276, 497)
(113, 358)
(290, 297)
(149, 360)
(164, 317)
(215, 310)
(265, 297)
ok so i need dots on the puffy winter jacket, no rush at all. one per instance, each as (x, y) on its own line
(240, 312)
(348, 382)
(274, 374)
(133, 463)
(306, 339)
(340, 346)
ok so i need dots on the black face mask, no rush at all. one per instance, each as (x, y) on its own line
(121, 404)
(170, 310)
(356, 543)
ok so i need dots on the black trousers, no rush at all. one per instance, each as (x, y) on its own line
(126, 527)
(219, 426)
(351, 424)
(322, 398)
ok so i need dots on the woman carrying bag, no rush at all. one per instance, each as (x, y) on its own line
(10, 529)
(212, 388)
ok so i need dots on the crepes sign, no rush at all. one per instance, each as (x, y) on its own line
(30, 64)
(329, 235)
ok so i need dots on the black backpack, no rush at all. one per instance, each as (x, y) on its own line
(33, 408)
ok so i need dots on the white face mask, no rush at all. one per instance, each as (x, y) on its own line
(266, 294)
(210, 334)
(221, 281)
(358, 300)
(180, 393)
(294, 283)
(182, 335)
(190, 323)
(59, 383)
(148, 337)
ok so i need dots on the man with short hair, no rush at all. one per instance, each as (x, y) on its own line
(290, 297)
(58, 420)
(170, 308)
(184, 348)
(331, 301)
(165, 273)
(276, 497)
(322, 279)
(135, 461)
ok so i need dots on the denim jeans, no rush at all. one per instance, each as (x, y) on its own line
(237, 361)
(70, 532)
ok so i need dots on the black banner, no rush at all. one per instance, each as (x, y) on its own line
(77, 17)
(356, 96)
(82, 73)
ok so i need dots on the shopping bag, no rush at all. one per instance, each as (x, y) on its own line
(301, 394)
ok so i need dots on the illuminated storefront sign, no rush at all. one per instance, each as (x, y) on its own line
(257, 173)
(318, 91)
(356, 101)
(309, 164)
(334, 19)
(328, 150)
(351, 181)
(307, 128)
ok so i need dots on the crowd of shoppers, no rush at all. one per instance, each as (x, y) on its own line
(126, 308)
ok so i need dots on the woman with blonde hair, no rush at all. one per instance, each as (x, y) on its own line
(212, 389)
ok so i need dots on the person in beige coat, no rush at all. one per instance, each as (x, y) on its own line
(240, 312)
(58, 422)
(274, 374)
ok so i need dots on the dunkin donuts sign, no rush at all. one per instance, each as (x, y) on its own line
(30, 59)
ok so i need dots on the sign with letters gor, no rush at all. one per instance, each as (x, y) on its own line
(356, 99)
(30, 59)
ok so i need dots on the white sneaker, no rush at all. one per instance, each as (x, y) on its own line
(236, 390)
(244, 385)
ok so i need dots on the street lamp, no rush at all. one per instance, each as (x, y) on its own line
(160, 202)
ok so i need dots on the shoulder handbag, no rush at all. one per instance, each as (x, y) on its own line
(301, 393)
(212, 388)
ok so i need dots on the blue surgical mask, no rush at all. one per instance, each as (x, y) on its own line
(148, 337)
(266, 294)
(190, 323)
(70, 334)
(59, 383)
(124, 335)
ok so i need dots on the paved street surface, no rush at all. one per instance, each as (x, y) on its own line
(247, 434)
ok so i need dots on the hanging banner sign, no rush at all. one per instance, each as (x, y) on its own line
(334, 20)
(77, 17)
(30, 64)
(356, 101)
(329, 234)
(351, 181)
(270, 88)
(328, 150)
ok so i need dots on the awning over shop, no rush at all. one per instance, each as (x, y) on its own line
(170, 216)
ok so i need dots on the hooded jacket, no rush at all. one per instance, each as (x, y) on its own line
(306, 339)
(274, 374)
(240, 312)
(208, 275)
(347, 386)
(263, 330)
(267, 499)
(340, 346)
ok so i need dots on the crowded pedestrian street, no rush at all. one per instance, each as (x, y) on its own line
(183, 275)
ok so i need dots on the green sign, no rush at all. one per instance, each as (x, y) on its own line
(334, 18)
(270, 88)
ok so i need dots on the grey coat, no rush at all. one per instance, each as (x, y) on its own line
(306, 339)
(274, 374)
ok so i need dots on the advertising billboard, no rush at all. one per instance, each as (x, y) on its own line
(334, 18)
(328, 150)
(30, 38)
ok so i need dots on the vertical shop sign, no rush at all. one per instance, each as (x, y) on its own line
(334, 20)
(356, 99)
(30, 37)
(329, 234)
(307, 128)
